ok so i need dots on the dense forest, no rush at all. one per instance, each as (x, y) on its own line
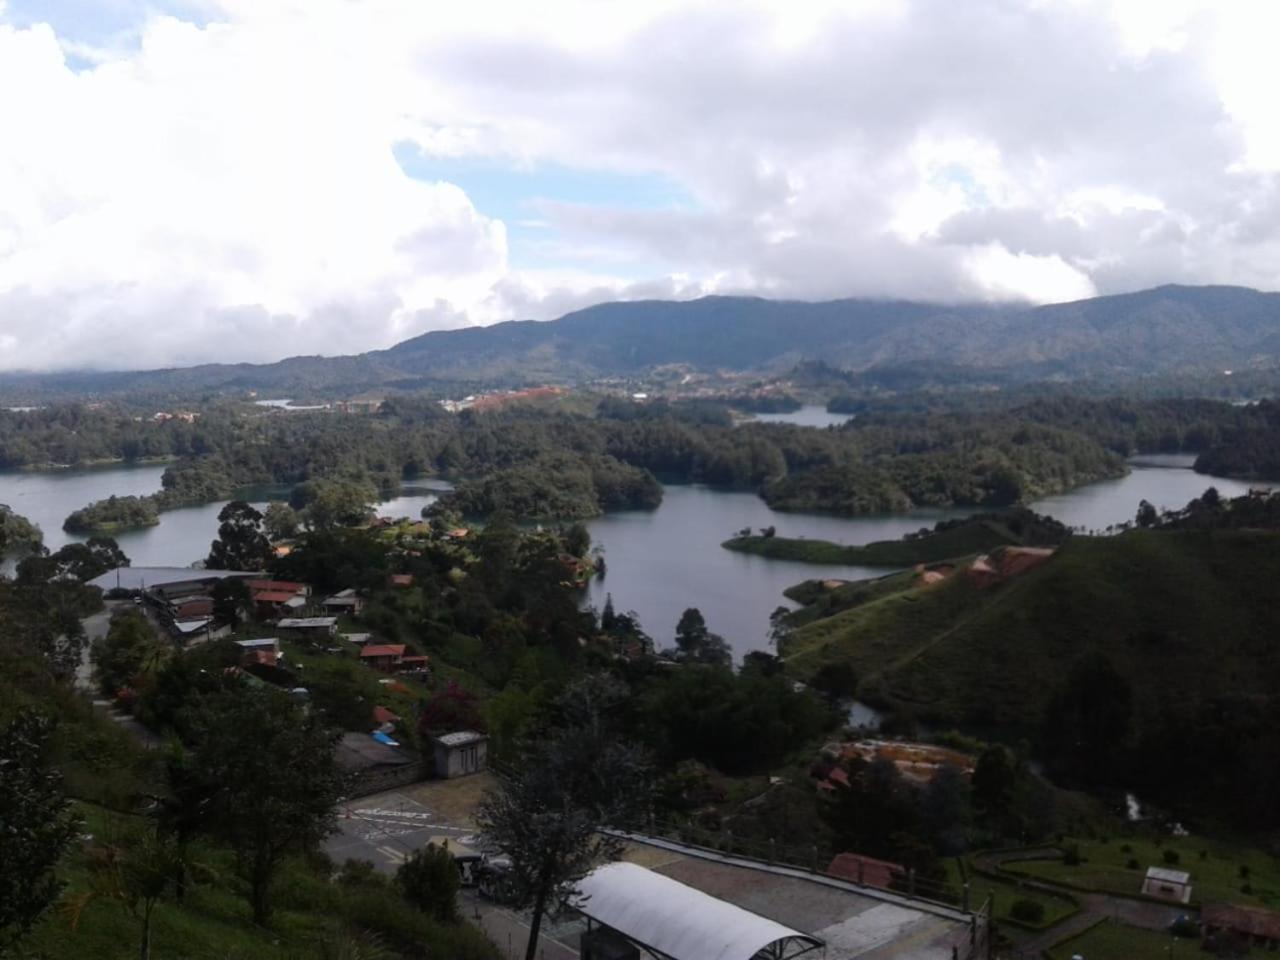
(577, 463)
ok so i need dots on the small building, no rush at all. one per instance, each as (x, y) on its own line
(280, 586)
(343, 602)
(1255, 925)
(400, 580)
(461, 753)
(1167, 884)
(271, 604)
(376, 766)
(263, 651)
(418, 665)
(382, 656)
(359, 639)
(308, 628)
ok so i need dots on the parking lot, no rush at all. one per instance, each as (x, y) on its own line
(386, 828)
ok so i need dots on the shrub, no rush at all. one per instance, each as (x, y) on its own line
(1027, 911)
(1244, 871)
(356, 873)
(1246, 888)
(1071, 855)
(1184, 926)
(1131, 864)
(429, 880)
(1171, 856)
(1126, 848)
(1204, 854)
(408, 930)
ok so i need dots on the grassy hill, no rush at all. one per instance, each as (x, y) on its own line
(1183, 615)
(947, 541)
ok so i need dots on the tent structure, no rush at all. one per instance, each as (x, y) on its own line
(674, 921)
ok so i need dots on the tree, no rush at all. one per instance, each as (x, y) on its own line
(696, 643)
(452, 709)
(577, 540)
(280, 520)
(1147, 515)
(326, 504)
(1086, 725)
(278, 777)
(577, 777)
(230, 597)
(995, 778)
(130, 647)
(429, 880)
(36, 826)
(241, 544)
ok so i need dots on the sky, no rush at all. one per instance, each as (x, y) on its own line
(186, 181)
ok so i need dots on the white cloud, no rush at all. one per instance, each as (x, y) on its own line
(229, 191)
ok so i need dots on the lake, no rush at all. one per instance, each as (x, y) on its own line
(659, 562)
(806, 416)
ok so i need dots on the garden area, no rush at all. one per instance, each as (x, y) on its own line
(1115, 941)
(1220, 871)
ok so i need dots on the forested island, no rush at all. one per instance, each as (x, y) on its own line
(948, 539)
(113, 515)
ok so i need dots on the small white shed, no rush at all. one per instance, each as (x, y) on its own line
(461, 753)
(1167, 884)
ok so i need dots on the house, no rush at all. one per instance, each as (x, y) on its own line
(1167, 884)
(400, 580)
(272, 604)
(263, 651)
(461, 753)
(382, 656)
(359, 639)
(308, 628)
(415, 664)
(1254, 924)
(344, 601)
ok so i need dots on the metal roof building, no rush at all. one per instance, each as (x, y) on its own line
(674, 921)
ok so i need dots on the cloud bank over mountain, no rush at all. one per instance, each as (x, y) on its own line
(251, 179)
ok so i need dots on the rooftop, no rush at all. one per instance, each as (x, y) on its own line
(680, 921)
(274, 596)
(383, 650)
(141, 578)
(305, 623)
(460, 738)
(1168, 876)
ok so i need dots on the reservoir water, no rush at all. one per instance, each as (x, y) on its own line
(659, 562)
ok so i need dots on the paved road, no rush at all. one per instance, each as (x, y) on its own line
(387, 827)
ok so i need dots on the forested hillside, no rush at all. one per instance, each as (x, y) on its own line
(1092, 621)
(1166, 330)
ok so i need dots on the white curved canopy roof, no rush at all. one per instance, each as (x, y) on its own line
(678, 920)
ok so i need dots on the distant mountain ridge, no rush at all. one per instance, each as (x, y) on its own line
(1164, 330)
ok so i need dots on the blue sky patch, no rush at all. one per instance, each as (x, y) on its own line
(511, 193)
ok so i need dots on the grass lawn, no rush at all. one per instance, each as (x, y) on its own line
(1004, 894)
(1113, 941)
(1215, 876)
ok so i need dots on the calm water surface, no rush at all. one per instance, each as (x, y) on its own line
(806, 416)
(659, 562)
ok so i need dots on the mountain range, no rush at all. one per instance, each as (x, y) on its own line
(1161, 331)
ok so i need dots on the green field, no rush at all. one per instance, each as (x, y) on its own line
(1214, 877)
(1113, 941)
(1003, 895)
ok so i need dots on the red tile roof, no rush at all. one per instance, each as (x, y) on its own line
(383, 650)
(1254, 921)
(874, 873)
(382, 715)
(273, 596)
(402, 579)
(286, 586)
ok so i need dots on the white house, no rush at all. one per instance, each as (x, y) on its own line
(1167, 884)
